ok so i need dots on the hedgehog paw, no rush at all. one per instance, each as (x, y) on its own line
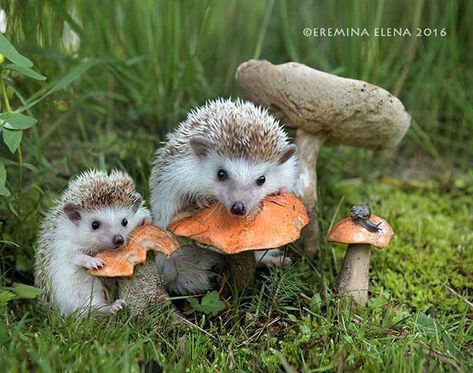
(145, 221)
(280, 191)
(117, 306)
(94, 263)
(90, 262)
(272, 258)
(203, 202)
(275, 261)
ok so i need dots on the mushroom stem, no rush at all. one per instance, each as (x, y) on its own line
(354, 277)
(241, 269)
(144, 288)
(308, 147)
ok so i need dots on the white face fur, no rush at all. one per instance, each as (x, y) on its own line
(104, 229)
(240, 184)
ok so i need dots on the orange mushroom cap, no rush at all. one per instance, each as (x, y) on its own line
(349, 232)
(278, 222)
(121, 262)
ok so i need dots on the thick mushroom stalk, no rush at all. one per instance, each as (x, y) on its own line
(241, 268)
(354, 276)
(360, 231)
(308, 147)
(324, 108)
(145, 288)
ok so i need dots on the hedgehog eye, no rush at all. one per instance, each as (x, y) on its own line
(222, 175)
(95, 225)
(124, 222)
(260, 181)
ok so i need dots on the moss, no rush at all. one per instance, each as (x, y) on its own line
(431, 250)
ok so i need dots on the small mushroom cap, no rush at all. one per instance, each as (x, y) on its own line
(339, 110)
(277, 223)
(121, 262)
(349, 232)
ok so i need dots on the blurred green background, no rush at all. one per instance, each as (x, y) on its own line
(160, 58)
(135, 68)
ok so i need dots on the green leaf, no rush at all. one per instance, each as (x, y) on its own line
(5, 297)
(433, 328)
(25, 71)
(12, 138)
(62, 11)
(4, 191)
(23, 262)
(210, 304)
(72, 75)
(16, 121)
(3, 174)
(3, 179)
(9, 51)
(26, 291)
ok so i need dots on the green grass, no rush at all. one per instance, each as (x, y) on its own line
(152, 62)
(418, 316)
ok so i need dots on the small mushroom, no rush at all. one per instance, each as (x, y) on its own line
(278, 222)
(360, 231)
(325, 109)
(138, 286)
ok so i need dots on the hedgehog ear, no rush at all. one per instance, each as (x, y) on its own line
(137, 203)
(72, 211)
(287, 153)
(200, 145)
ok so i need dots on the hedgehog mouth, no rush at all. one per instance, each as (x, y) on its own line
(247, 215)
(239, 216)
(117, 246)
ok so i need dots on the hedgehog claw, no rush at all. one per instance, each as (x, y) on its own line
(90, 262)
(117, 306)
(203, 202)
(94, 263)
(113, 308)
(145, 221)
(274, 257)
(275, 261)
(281, 190)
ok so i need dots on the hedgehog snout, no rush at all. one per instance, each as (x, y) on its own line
(118, 240)
(238, 208)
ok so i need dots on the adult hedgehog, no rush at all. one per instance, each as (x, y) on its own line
(232, 152)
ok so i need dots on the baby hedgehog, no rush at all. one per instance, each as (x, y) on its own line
(232, 152)
(96, 212)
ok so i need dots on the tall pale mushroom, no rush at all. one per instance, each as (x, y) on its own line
(325, 109)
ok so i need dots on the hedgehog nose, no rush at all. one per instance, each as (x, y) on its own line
(118, 239)
(238, 208)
